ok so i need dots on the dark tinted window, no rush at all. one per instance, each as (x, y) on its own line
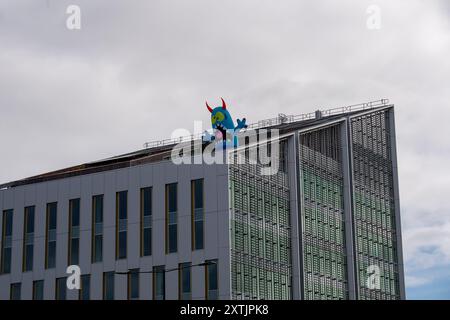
(147, 201)
(15, 291)
(197, 214)
(75, 212)
(51, 254)
(185, 281)
(28, 239)
(198, 193)
(172, 196)
(122, 203)
(121, 225)
(8, 222)
(29, 218)
(108, 286)
(74, 251)
(146, 221)
(52, 211)
(212, 280)
(51, 235)
(171, 218)
(98, 208)
(133, 284)
(74, 231)
(38, 290)
(159, 285)
(85, 290)
(97, 228)
(61, 286)
(147, 242)
(5, 255)
(122, 245)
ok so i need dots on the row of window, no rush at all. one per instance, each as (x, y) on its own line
(159, 284)
(146, 208)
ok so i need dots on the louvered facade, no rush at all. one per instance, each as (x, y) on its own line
(327, 226)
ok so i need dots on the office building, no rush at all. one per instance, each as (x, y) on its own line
(142, 227)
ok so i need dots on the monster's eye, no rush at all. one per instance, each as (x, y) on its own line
(220, 116)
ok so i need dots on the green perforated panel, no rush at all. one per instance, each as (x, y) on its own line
(374, 217)
(260, 233)
(322, 215)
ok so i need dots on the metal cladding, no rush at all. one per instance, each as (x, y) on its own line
(323, 235)
(260, 233)
(347, 212)
(373, 198)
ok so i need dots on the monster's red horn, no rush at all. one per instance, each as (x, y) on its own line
(209, 108)
(224, 105)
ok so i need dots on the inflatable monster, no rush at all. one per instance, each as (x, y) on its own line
(225, 131)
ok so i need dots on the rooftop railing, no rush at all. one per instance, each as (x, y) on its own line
(281, 119)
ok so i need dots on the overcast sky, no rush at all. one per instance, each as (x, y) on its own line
(137, 70)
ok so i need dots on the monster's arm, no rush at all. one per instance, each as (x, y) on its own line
(240, 125)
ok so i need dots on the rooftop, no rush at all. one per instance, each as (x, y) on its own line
(159, 150)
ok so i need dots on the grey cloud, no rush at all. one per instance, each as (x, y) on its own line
(138, 70)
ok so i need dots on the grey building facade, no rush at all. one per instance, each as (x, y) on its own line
(141, 227)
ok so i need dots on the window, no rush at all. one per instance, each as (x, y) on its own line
(61, 285)
(184, 279)
(50, 249)
(283, 155)
(74, 232)
(28, 239)
(121, 225)
(85, 287)
(108, 285)
(211, 281)
(146, 222)
(171, 218)
(159, 285)
(97, 228)
(197, 214)
(5, 266)
(15, 291)
(133, 284)
(38, 290)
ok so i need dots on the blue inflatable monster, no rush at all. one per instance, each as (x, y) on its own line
(222, 123)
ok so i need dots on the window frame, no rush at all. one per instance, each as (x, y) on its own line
(58, 287)
(35, 282)
(131, 273)
(105, 275)
(95, 198)
(9, 213)
(143, 228)
(159, 270)
(11, 290)
(208, 263)
(181, 268)
(194, 244)
(168, 225)
(83, 289)
(47, 229)
(71, 226)
(118, 222)
(26, 234)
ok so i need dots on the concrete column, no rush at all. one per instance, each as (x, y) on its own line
(347, 168)
(296, 233)
(398, 231)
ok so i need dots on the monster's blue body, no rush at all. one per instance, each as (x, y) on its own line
(222, 121)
